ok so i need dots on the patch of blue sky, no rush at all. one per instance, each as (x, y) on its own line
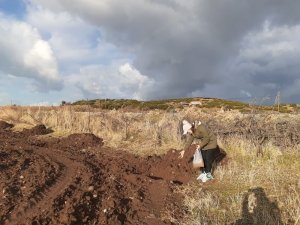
(15, 8)
(11, 90)
(94, 37)
(20, 91)
(45, 35)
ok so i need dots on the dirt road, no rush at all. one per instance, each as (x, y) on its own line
(76, 180)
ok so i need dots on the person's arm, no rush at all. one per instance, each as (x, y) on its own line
(205, 137)
(189, 141)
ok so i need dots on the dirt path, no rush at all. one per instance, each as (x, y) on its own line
(75, 180)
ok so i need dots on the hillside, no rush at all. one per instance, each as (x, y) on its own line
(169, 104)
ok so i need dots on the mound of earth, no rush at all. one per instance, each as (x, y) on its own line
(57, 183)
(170, 167)
(38, 130)
(81, 141)
(5, 125)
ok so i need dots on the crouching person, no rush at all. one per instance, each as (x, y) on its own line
(208, 146)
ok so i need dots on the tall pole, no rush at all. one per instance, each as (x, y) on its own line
(278, 100)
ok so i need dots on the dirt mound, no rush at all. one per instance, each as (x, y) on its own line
(72, 142)
(38, 130)
(81, 141)
(5, 125)
(171, 167)
(54, 183)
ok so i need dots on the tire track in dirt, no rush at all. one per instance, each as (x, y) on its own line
(12, 180)
(63, 171)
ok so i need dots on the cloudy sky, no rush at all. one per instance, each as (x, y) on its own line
(54, 50)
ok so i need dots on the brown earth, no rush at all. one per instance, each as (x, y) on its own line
(75, 180)
(38, 130)
(5, 125)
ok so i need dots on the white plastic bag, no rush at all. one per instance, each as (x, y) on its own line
(198, 159)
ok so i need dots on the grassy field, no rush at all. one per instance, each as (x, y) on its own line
(259, 185)
(249, 189)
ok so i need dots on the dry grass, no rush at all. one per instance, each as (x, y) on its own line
(141, 132)
(249, 190)
(155, 130)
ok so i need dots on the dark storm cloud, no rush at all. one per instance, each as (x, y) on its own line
(190, 47)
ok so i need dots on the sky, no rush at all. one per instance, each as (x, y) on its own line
(67, 50)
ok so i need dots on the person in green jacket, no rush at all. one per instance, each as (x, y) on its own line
(208, 146)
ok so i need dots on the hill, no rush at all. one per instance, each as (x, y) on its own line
(169, 104)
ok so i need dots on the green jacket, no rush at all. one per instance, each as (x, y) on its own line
(208, 139)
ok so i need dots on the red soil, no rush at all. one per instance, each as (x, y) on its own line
(75, 180)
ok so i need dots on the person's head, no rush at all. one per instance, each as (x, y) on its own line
(196, 123)
(190, 127)
(187, 127)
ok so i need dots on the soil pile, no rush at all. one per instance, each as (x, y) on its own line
(80, 141)
(38, 130)
(170, 167)
(61, 182)
(5, 125)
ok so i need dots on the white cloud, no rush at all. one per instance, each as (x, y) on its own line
(248, 94)
(69, 36)
(131, 75)
(25, 54)
(133, 80)
(75, 42)
(114, 81)
(40, 58)
(88, 62)
(44, 104)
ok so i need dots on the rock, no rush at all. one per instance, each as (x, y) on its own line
(91, 188)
